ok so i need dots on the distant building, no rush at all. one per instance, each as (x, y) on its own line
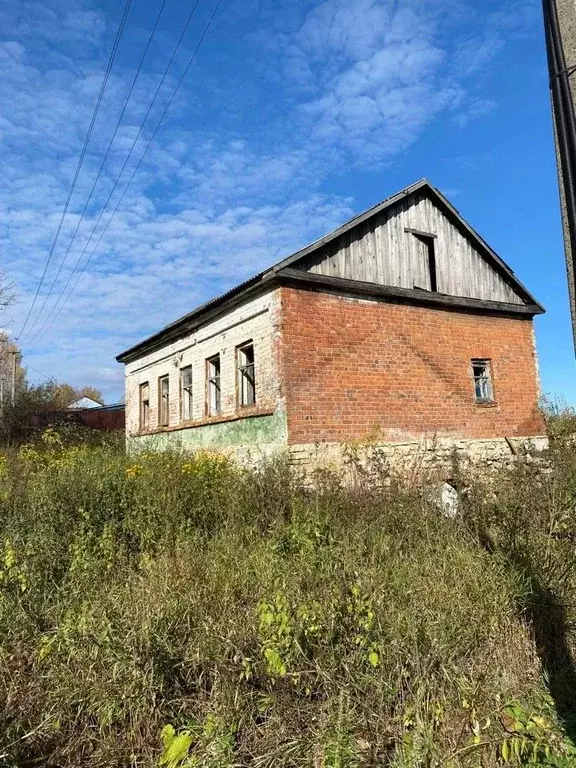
(107, 418)
(402, 327)
(83, 402)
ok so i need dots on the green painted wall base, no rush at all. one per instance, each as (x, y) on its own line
(256, 431)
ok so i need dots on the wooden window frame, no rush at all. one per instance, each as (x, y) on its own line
(144, 406)
(243, 375)
(429, 241)
(186, 393)
(482, 381)
(213, 384)
(163, 410)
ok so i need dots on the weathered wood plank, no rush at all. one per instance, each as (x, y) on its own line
(384, 251)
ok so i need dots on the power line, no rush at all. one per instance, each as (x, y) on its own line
(127, 158)
(102, 164)
(47, 378)
(111, 59)
(167, 107)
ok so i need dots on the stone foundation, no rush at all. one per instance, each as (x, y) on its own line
(432, 458)
(427, 459)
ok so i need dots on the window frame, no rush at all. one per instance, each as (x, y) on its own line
(428, 239)
(164, 406)
(242, 377)
(213, 385)
(485, 380)
(186, 393)
(144, 406)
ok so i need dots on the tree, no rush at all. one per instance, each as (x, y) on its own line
(21, 418)
(64, 394)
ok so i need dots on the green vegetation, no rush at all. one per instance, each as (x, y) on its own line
(175, 611)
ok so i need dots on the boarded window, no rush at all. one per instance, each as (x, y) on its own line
(144, 405)
(186, 393)
(213, 379)
(246, 380)
(482, 376)
(163, 401)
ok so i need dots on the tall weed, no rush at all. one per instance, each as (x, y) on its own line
(175, 610)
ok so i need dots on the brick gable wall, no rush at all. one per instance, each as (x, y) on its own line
(354, 367)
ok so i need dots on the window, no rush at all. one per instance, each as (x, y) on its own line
(429, 256)
(213, 394)
(144, 405)
(186, 393)
(246, 381)
(163, 401)
(482, 381)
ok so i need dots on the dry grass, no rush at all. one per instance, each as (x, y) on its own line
(275, 626)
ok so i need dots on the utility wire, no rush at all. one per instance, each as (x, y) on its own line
(47, 325)
(102, 164)
(46, 378)
(111, 59)
(127, 158)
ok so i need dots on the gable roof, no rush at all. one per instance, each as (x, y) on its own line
(284, 269)
(82, 402)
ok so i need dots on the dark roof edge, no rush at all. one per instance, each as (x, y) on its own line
(193, 320)
(409, 295)
(288, 275)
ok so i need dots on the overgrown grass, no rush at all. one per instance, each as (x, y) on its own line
(178, 611)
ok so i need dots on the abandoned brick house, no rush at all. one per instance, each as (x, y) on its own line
(402, 327)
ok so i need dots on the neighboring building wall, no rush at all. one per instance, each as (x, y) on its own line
(262, 425)
(104, 418)
(358, 368)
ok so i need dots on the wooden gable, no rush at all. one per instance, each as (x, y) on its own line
(393, 247)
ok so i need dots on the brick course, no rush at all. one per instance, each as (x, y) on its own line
(352, 367)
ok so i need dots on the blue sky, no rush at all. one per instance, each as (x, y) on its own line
(294, 117)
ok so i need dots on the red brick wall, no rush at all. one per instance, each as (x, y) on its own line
(353, 367)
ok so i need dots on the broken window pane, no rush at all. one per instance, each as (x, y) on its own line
(164, 401)
(213, 367)
(186, 393)
(482, 381)
(246, 380)
(144, 405)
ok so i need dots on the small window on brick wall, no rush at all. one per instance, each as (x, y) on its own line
(482, 375)
(246, 380)
(144, 405)
(213, 383)
(186, 393)
(163, 401)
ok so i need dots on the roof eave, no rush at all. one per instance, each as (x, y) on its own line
(414, 296)
(193, 320)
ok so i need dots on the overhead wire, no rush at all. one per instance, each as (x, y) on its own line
(101, 168)
(125, 163)
(49, 322)
(47, 378)
(95, 112)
